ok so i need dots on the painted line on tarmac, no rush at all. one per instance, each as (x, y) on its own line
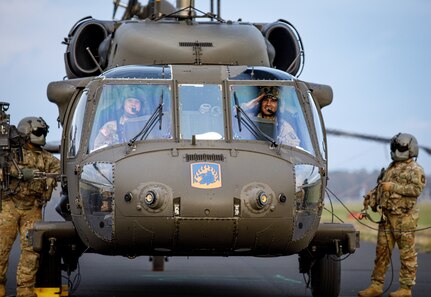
(286, 279)
(276, 277)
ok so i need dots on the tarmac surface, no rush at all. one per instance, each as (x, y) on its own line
(221, 276)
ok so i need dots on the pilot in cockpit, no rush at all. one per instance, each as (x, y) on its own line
(267, 101)
(273, 110)
(115, 131)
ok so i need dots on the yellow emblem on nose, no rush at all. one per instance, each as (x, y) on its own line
(205, 175)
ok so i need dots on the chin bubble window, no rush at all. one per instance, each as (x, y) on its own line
(96, 189)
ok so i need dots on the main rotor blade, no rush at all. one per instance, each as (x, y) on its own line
(336, 132)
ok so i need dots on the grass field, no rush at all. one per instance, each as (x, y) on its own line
(368, 229)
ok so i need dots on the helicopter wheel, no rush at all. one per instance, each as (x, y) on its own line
(326, 277)
(158, 263)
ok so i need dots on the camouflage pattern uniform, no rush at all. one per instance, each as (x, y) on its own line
(20, 210)
(111, 133)
(399, 221)
(107, 135)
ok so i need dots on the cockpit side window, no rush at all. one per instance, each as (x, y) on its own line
(75, 130)
(201, 111)
(274, 110)
(318, 126)
(123, 111)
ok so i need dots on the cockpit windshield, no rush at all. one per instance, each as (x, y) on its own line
(201, 111)
(273, 110)
(125, 111)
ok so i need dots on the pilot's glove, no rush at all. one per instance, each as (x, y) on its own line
(27, 173)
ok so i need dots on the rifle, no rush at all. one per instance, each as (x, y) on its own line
(42, 175)
(10, 140)
(372, 198)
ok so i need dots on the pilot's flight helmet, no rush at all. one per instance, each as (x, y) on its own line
(403, 147)
(134, 112)
(35, 128)
(270, 92)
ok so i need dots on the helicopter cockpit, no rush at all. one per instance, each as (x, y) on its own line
(255, 111)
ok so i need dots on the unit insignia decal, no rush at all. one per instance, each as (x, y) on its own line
(205, 175)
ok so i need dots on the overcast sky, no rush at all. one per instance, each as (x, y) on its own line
(376, 55)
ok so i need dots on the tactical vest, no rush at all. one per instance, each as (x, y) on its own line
(409, 180)
(26, 194)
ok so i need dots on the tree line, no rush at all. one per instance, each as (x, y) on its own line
(353, 185)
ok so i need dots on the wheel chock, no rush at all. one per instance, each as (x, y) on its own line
(52, 292)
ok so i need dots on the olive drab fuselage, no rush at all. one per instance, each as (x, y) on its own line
(207, 188)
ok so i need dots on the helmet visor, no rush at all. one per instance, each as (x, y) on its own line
(39, 132)
(400, 147)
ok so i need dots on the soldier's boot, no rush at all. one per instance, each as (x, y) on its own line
(2, 290)
(374, 290)
(25, 292)
(401, 292)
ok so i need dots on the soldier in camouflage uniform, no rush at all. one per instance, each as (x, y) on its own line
(396, 194)
(21, 206)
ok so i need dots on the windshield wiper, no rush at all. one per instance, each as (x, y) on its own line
(249, 123)
(155, 117)
(238, 111)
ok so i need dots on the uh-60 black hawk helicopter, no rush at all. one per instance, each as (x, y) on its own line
(188, 135)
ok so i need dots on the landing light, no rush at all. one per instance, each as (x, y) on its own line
(262, 199)
(150, 199)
